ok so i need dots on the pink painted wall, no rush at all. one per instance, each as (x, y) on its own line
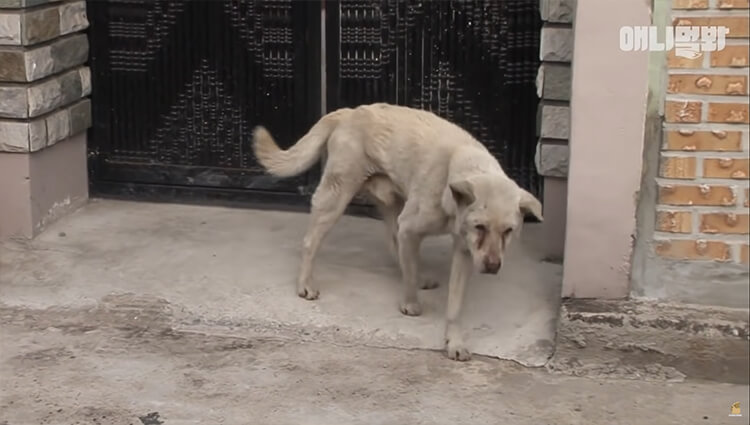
(38, 188)
(608, 109)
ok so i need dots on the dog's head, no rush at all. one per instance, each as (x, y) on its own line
(488, 212)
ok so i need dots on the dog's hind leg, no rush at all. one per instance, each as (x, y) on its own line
(381, 191)
(390, 203)
(329, 201)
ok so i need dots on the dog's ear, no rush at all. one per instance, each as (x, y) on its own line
(530, 205)
(463, 193)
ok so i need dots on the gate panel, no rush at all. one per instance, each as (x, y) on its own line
(473, 62)
(179, 85)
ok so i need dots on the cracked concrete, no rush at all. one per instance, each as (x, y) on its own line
(236, 265)
(93, 332)
(133, 359)
(639, 339)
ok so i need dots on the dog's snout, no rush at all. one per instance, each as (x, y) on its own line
(491, 266)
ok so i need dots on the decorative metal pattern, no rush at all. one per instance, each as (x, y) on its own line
(179, 85)
(473, 62)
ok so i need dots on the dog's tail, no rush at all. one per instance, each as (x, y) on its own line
(300, 157)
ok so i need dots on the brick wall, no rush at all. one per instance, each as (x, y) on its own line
(702, 212)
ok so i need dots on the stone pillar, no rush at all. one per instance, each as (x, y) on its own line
(44, 112)
(553, 123)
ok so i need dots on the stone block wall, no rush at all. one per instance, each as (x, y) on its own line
(44, 83)
(702, 212)
(44, 90)
(553, 117)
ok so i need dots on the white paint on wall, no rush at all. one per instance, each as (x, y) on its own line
(608, 110)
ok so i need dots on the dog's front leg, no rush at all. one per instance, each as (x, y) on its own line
(461, 268)
(408, 253)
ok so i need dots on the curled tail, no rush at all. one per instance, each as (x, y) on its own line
(300, 157)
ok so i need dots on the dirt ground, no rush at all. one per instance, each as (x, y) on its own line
(132, 360)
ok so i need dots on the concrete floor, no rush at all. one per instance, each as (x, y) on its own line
(127, 313)
(233, 266)
(121, 362)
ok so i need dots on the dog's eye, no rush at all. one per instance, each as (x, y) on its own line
(481, 227)
(507, 231)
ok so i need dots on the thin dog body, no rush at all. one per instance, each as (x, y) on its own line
(426, 176)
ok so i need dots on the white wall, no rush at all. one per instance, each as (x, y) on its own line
(608, 109)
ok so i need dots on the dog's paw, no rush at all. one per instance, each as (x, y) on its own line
(411, 309)
(457, 351)
(429, 284)
(308, 293)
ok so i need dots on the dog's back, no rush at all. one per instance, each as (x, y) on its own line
(391, 137)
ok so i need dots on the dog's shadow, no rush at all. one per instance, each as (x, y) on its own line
(354, 253)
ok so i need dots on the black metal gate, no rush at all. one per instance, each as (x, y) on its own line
(179, 85)
(473, 62)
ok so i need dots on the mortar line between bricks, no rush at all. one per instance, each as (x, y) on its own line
(695, 224)
(706, 126)
(732, 72)
(695, 221)
(705, 155)
(667, 237)
(36, 7)
(720, 69)
(713, 181)
(708, 13)
(735, 42)
(709, 98)
(46, 114)
(28, 84)
(734, 251)
(43, 44)
(702, 209)
(728, 238)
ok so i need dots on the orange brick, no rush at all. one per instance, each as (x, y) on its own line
(734, 4)
(735, 85)
(674, 221)
(696, 195)
(673, 167)
(724, 223)
(745, 254)
(689, 4)
(726, 168)
(693, 250)
(731, 56)
(730, 113)
(683, 111)
(674, 61)
(689, 140)
(738, 25)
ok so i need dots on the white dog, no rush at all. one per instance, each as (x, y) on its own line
(426, 175)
